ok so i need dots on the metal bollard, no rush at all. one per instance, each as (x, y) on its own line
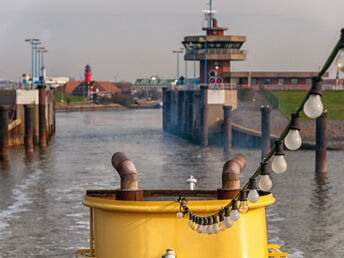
(42, 119)
(265, 138)
(28, 140)
(204, 116)
(227, 130)
(4, 148)
(321, 143)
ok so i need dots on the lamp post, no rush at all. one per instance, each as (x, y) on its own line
(34, 43)
(178, 52)
(42, 66)
(39, 51)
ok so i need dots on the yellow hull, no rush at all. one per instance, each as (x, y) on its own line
(131, 229)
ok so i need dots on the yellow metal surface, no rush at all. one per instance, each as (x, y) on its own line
(275, 252)
(128, 229)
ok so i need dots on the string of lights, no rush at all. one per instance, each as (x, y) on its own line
(313, 108)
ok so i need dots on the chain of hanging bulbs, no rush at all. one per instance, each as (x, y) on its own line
(313, 108)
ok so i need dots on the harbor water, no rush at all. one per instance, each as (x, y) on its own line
(41, 214)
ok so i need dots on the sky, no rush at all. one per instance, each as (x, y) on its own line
(126, 40)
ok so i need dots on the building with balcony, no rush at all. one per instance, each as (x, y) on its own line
(214, 51)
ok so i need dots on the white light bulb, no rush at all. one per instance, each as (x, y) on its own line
(193, 225)
(190, 222)
(209, 229)
(243, 207)
(200, 228)
(180, 215)
(279, 165)
(227, 223)
(253, 195)
(293, 140)
(340, 61)
(216, 228)
(265, 183)
(235, 215)
(313, 107)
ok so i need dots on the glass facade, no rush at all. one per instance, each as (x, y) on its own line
(198, 45)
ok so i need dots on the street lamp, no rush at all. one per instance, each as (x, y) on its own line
(42, 77)
(39, 51)
(178, 52)
(34, 43)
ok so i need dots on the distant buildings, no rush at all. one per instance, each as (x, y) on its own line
(90, 89)
(151, 83)
(273, 80)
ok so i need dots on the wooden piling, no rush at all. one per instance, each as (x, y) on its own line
(227, 130)
(189, 114)
(321, 143)
(42, 117)
(28, 138)
(204, 116)
(4, 148)
(168, 110)
(164, 106)
(265, 137)
(181, 112)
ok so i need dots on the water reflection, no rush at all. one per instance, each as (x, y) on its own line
(41, 192)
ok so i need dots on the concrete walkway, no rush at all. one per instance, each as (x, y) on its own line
(248, 114)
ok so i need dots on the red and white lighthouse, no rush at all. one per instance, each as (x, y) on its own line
(88, 74)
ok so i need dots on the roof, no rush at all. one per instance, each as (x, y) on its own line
(107, 86)
(150, 82)
(70, 86)
(271, 74)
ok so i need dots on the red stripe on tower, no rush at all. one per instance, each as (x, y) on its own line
(88, 75)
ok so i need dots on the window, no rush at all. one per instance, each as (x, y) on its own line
(280, 81)
(267, 81)
(308, 81)
(253, 81)
(294, 81)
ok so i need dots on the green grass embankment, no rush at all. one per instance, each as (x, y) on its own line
(58, 97)
(289, 100)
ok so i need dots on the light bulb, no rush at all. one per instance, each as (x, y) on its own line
(209, 229)
(200, 227)
(279, 165)
(253, 195)
(293, 140)
(190, 220)
(265, 183)
(180, 215)
(193, 226)
(216, 228)
(313, 107)
(227, 223)
(243, 207)
(235, 215)
(340, 61)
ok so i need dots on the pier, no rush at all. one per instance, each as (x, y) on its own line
(27, 119)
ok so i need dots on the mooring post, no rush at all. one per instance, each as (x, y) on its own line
(4, 151)
(41, 116)
(265, 138)
(164, 105)
(204, 115)
(189, 114)
(321, 143)
(168, 110)
(28, 139)
(180, 113)
(227, 130)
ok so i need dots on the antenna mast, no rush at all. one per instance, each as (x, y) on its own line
(209, 14)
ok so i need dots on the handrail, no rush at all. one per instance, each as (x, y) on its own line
(14, 124)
